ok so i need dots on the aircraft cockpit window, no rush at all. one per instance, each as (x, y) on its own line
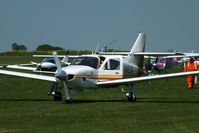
(112, 64)
(51, 60)
(86, 61)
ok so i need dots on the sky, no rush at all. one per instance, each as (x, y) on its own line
(82, 24)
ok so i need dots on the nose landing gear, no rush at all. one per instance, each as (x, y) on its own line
(56, 94)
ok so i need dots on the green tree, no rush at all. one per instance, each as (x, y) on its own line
(15, 46)
(23, 47)
(46, 47)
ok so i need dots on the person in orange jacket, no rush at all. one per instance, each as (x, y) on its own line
(191, 66)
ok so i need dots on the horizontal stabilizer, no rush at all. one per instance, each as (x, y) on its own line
(144, 53)
(157, 54)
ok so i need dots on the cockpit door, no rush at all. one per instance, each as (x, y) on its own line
(111, 69)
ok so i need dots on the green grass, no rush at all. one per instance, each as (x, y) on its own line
(165, 106)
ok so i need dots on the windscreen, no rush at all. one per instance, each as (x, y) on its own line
(86, 61)
(51, 60)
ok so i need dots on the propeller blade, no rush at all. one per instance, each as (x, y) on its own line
(68, 97)
(67, 52)
(65, 59)
(57, 61)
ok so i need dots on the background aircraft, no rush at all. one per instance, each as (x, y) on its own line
(46, 66)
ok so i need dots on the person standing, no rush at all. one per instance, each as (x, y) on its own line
(191, 66)
(148, 67)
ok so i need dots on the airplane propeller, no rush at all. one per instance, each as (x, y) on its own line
(66, 57)
(57, 61)
(61, 75)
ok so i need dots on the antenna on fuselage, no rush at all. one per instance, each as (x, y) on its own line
(96, 48)
(105, 48)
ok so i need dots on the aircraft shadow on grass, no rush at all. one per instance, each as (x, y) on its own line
(164, 100)
(25, 100)
(74, 101)
(139, 100)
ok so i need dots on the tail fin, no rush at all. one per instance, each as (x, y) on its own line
(139, 46)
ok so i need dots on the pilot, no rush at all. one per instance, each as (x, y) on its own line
(101, 62)
(191, 66)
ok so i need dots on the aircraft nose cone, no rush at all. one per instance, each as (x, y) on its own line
(61, 75)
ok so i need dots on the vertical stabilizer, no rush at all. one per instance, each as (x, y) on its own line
(139, 46)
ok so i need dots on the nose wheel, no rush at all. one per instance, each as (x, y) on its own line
(58, 96)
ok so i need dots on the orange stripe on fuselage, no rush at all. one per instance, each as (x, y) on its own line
(105, 77)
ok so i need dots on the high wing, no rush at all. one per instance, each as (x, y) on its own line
(28, 75)
(137, 79)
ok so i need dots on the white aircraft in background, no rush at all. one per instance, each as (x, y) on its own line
(48, 65)
(96, 71)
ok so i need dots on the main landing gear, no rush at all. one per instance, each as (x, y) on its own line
(131, 93)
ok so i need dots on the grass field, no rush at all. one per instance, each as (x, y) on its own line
(165, 106)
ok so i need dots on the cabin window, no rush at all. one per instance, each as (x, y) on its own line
(86, 61)
(112, 64)
(51, 60)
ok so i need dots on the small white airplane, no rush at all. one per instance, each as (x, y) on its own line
(96, 71)
(48, 65)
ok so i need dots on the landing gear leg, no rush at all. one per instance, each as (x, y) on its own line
(53, 92)
(53, 89)
(131, 93)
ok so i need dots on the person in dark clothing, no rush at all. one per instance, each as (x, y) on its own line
(148, 67)
(155, 67)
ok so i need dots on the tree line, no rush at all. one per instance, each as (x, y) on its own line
(43, 47)
(17, 47)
